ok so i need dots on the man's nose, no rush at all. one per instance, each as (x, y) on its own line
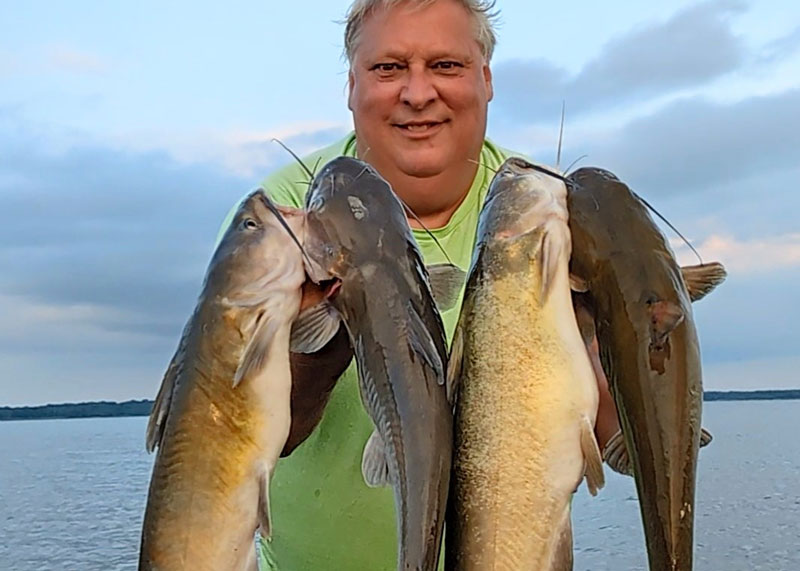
(419, 90)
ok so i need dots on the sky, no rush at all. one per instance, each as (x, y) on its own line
(128, 130)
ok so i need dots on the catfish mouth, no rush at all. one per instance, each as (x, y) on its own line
(331, 287)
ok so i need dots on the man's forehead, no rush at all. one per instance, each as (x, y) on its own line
(404, 31)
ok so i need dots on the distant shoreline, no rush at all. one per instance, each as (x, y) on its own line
(109, 409)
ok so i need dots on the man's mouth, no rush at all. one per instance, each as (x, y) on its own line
(419, 126)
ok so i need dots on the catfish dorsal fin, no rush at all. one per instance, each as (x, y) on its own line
(702, 279)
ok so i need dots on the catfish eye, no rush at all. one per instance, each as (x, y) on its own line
(249, 224)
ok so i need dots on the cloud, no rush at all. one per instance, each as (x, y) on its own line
(242, 153)
(70, 59)
(695, 143)
(103, 254)
(754, 256)
(779, 48)
(693, 47)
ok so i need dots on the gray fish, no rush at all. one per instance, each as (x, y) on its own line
(357, 233)
(526, 393)
(221, 416)
(649, 351)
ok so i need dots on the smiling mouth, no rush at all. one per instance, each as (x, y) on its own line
(419, 127)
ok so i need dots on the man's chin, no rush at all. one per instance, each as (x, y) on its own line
(423, 164)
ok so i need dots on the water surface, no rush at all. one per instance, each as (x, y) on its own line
(72, 496)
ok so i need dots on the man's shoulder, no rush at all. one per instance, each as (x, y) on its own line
(289, 185)
(495, 155)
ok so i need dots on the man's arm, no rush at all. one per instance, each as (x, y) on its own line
(607, 423)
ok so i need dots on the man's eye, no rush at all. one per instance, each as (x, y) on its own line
(385, 68)
(447, 65)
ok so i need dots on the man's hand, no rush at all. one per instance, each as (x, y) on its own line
(314, 376)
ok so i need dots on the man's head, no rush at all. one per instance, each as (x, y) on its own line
(419, 82)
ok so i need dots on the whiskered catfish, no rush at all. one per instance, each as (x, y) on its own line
(222, 414)
(358, 234)
(526, 395)
(649, 350)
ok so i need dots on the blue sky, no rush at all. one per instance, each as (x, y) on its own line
(127, 130)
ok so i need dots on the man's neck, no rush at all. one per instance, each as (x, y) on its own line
(433, 199)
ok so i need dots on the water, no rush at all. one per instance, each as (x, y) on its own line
(72, 495)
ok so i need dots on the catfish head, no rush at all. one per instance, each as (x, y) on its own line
(352, 216)
(256, 252)
(524, 217)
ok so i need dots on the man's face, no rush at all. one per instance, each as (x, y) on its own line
(419, 89)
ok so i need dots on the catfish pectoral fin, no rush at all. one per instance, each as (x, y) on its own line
(314, 327)
(255, 354)
(578, 284)
(702, 279)
(422, 344)
(616, 455)
(264, 515)
(446, 281)
(374, 467)
(555, 240)
(665, 316)
(595, 479)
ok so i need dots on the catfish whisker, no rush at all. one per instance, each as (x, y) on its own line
(484, 165)
(274, 209)
(291, 152)
(668, 223)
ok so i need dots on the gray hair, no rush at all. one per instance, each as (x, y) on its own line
(482, 12)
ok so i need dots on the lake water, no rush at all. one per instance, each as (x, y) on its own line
(72, 496)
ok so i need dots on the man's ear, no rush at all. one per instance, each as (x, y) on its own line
(487, 78)
(351, 80)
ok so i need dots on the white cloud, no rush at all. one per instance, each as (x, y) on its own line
(74, 60)
(241, 152)
(745, 256)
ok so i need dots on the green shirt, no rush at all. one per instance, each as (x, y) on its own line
(324, 516)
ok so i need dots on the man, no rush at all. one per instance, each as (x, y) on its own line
(419, 88)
